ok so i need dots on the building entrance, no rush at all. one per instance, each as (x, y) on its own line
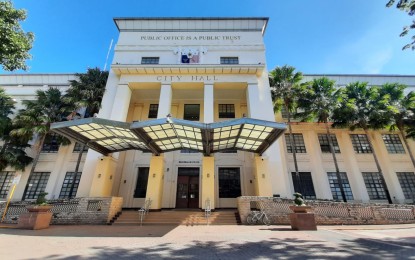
(187, 188)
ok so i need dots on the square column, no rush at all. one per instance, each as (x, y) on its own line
(155, 181)
(271, 173)
(208, 181)
(263, 182)
(164, 101)
(103, 177)
(122, 97)
(208, 104)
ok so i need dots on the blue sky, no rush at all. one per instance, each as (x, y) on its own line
(315, 36)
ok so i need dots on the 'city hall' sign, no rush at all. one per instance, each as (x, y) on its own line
(193, 78)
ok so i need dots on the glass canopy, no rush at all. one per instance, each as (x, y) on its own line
(170, 134)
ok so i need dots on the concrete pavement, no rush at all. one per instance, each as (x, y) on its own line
(209, 242)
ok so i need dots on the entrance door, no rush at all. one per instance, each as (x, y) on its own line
(187, 188)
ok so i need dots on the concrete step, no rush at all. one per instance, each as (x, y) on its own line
(172, 217)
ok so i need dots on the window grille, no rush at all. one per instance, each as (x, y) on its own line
(191, 112)
(141, 185)
(6, 179)
(226, 111)
(229, 183)
(305, 181)
(335, 186)
(36, 184)
(298, 143)
(229, 60)
(51, 144)
(374, 186)
(78, 146)
(150, 60)
(407, 181)
(153, 111)
(360, 143)
(325, 145)
(393, 143)
(70, 185)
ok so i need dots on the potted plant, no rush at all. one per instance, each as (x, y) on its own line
(302, 218)
(38, 215)
(300, 206)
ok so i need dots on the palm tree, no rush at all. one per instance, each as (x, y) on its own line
(86, 93)
(317, 100)
(34, 121)
(12, 152)
(404, 106)
(364, 107)
(283, 82)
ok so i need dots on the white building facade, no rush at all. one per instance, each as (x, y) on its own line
(206, 70)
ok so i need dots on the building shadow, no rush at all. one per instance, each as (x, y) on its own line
(266, 249)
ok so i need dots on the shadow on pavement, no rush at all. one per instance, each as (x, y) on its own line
(93, 231)
(266, 249)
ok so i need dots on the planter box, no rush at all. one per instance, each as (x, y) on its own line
(38, 217)
(302, 219)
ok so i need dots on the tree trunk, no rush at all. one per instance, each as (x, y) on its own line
(388, 196)
(36, 158)
(292, 143)
(336, 165)
(407, 146)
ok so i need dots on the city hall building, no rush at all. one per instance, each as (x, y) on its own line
(187, 121)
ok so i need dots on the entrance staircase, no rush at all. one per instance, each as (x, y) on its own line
(178, 217)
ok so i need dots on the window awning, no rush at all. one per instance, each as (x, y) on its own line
(170, 134)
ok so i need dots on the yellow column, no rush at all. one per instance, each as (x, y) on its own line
(103, 177)
(263, 184)
(208, 181)
(155, 181)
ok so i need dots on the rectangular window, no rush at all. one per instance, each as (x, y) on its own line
(229, 60)
(188, 151)
(298, 143)
(226, 111)
(191, 112)
(393, 143)
(335, 186)
(360, 143)
(407, 181)
(305, 181)
(70, 185)
(141, 185)
(6, 179)
(324, 143)
(153, 110)
(373, 182)
(150, 60)
(284, 113)
(51, 144)
(36, 184)
(229, 183)
(77, 148)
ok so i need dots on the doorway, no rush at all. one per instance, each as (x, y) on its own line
(187, 188)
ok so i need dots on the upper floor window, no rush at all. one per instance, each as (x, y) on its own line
(299, 145)
(51, 144)
(226, 111)
(360, 143)
(191, 112)
(393, 143)
(153, 111)
(229, 60)
(325, 145)
(150, 60)
(77, 148)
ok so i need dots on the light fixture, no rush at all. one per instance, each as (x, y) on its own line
(154, 175)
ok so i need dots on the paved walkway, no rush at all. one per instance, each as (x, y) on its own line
(208, 242)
